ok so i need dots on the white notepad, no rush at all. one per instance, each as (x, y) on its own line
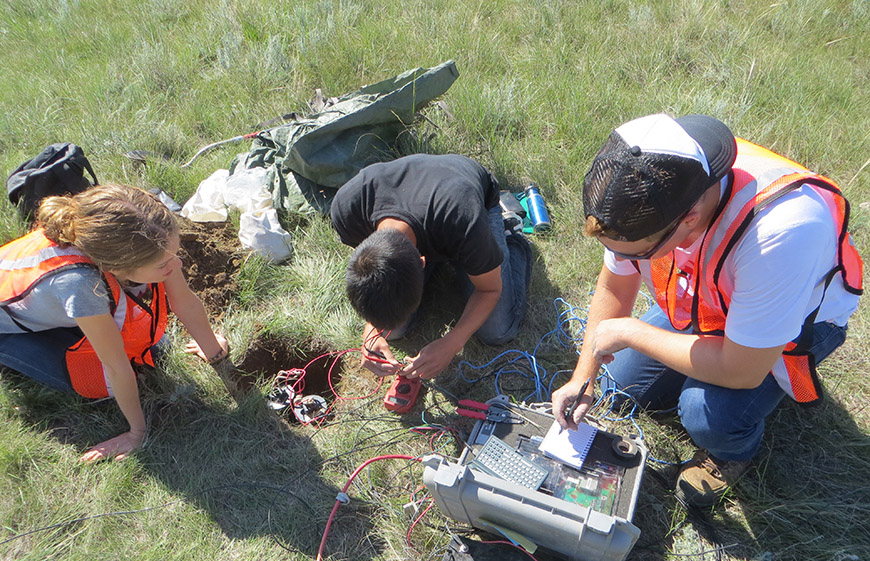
(569, 446)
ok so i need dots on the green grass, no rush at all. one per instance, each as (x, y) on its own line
(541, 85)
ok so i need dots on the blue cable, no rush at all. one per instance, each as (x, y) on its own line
(542, 381)
(543, 387)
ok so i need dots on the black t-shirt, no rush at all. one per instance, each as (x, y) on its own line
(444, 199)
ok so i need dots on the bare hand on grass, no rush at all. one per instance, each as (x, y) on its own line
(193, 348)
(117, 448)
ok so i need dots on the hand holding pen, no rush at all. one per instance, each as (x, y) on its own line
(569, 414)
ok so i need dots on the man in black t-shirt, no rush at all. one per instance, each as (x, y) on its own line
(416, 211)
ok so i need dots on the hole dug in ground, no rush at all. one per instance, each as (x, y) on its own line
(299, 375)
(212, 256)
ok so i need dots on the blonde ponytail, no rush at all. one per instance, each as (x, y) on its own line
(118, 226)
(57, 216)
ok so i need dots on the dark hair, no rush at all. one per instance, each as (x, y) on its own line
(384, 279)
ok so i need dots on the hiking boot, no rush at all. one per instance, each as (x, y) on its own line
(704, 480)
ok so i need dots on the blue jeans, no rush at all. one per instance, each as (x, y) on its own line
(40, 355)
(503, 322)
(729, 423)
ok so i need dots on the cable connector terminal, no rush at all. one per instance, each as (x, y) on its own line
(411, 509)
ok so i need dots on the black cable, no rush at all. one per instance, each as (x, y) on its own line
(357, 448)
(137, 511)
(83, 518)
(269, 519)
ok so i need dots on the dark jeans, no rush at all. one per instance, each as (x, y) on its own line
(503, 323)
(729, 423)
(40, 355)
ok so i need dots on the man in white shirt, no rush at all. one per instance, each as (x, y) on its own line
(753, 275)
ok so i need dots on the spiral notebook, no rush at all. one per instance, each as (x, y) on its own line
(569, 446)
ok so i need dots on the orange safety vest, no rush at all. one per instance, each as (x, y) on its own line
(23, 262)
(697, 299)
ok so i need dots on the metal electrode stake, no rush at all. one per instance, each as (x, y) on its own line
(537, 209)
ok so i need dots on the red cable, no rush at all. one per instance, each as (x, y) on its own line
(315, 359)
(299, 385)
(440, 431)
(347, 486)
(414, 523)
(341, 397)
(371, 355)
(413, 496)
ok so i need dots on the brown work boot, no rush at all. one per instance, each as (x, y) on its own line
(704, 480)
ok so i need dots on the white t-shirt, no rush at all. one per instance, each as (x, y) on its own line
(776, 272)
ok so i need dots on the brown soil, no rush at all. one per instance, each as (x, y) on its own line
(212, 255)
(265, 357)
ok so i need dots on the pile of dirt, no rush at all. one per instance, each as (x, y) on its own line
(212, 255)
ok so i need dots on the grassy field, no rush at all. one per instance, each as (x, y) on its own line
(541, 85)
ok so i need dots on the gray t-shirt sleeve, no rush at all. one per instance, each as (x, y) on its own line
(57, 300)
(80, 292)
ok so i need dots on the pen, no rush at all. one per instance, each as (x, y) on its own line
(570, 413)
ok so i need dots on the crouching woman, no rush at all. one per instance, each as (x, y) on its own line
(84, 299)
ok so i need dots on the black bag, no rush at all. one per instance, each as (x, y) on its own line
(58, 170)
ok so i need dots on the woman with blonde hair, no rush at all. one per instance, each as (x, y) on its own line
(84, 299)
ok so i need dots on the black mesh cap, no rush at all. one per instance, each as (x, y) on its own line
(652, 170)
(715, 139)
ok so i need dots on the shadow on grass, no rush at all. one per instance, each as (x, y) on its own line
(804, 497)
(254, 475)
(807, 496)
(251, 472)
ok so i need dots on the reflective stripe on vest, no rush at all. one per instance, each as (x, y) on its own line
(761, 177)
(29, 258)
(26, 260)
